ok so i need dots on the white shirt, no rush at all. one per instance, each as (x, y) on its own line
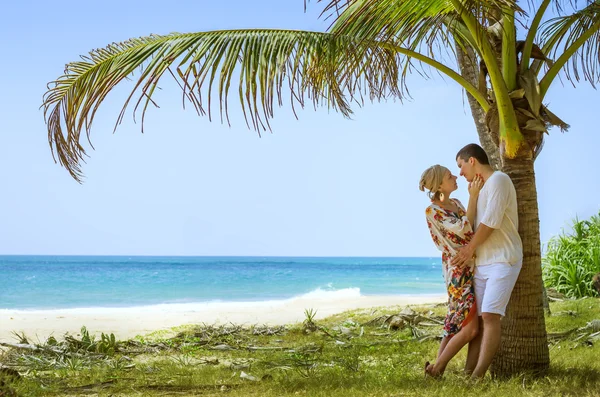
(497, 208)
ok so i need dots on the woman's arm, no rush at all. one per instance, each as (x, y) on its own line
(472, 209)
(474, 189)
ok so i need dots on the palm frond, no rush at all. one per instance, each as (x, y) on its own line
(425, 26)
(386, 19)
(575, 40)
(419, 29)
(531, 34)
(326, 69)
(565, 7)
(485, 8)
(429, 28)
(334, 7)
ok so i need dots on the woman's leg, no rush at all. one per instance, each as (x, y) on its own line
(453, 346)
(443, 343)
(428, 366)
(442, 346)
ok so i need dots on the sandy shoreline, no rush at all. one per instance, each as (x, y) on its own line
(128, 322)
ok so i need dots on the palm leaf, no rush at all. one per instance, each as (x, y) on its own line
(485, 9)
(323, 68)
(427, 29)
(430, 28)
(575, 40)
(420, 27)
(426, 26)
(385, 19)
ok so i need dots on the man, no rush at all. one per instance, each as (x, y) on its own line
(498, 252)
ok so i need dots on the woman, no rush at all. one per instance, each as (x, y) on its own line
(450, 227)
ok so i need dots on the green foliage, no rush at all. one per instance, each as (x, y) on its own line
(309, 323)
(573, 259)
(107, 344)
(87, 340)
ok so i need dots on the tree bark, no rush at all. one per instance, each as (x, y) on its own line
(524, 345)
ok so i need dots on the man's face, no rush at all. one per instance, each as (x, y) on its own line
(466, 168)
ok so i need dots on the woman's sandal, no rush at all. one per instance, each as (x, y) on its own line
(427, 364)
(428, 372)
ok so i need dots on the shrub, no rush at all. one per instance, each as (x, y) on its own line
(572, 260)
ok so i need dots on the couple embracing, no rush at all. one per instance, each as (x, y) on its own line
(482, 255)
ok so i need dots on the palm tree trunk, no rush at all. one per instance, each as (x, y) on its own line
(524, 345)
(467, 62)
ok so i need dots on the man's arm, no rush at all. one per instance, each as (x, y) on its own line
(466, 253)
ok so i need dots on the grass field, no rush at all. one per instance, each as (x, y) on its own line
(357, 353)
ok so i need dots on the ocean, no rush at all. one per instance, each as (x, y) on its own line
(70, 282)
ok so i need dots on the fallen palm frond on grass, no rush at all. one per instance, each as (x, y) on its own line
(361, 352)
(587, 335)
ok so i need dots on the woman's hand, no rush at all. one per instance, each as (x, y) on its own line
(475, 186)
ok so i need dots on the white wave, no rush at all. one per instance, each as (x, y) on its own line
(320, 294)
(317, 295)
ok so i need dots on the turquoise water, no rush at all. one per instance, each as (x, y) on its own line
(57, 282)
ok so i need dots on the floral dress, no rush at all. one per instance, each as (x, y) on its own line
(451, 231)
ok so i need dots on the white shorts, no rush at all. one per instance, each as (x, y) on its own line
(493, 286)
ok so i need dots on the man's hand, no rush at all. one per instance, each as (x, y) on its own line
(463, 256)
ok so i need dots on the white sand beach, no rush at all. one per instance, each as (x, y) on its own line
(128, 322)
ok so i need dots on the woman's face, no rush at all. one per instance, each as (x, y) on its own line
(449, 183)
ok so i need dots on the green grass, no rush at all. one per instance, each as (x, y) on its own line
(348, 355)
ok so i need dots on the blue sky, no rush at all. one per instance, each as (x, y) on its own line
(318, 186)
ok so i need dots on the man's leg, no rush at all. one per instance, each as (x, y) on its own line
(501, 280)
(490, 341)
(474, 349)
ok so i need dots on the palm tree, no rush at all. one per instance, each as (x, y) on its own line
(369, 50)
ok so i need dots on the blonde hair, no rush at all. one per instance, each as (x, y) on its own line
(432, 179)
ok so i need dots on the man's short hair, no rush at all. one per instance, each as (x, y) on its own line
(473, 150)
